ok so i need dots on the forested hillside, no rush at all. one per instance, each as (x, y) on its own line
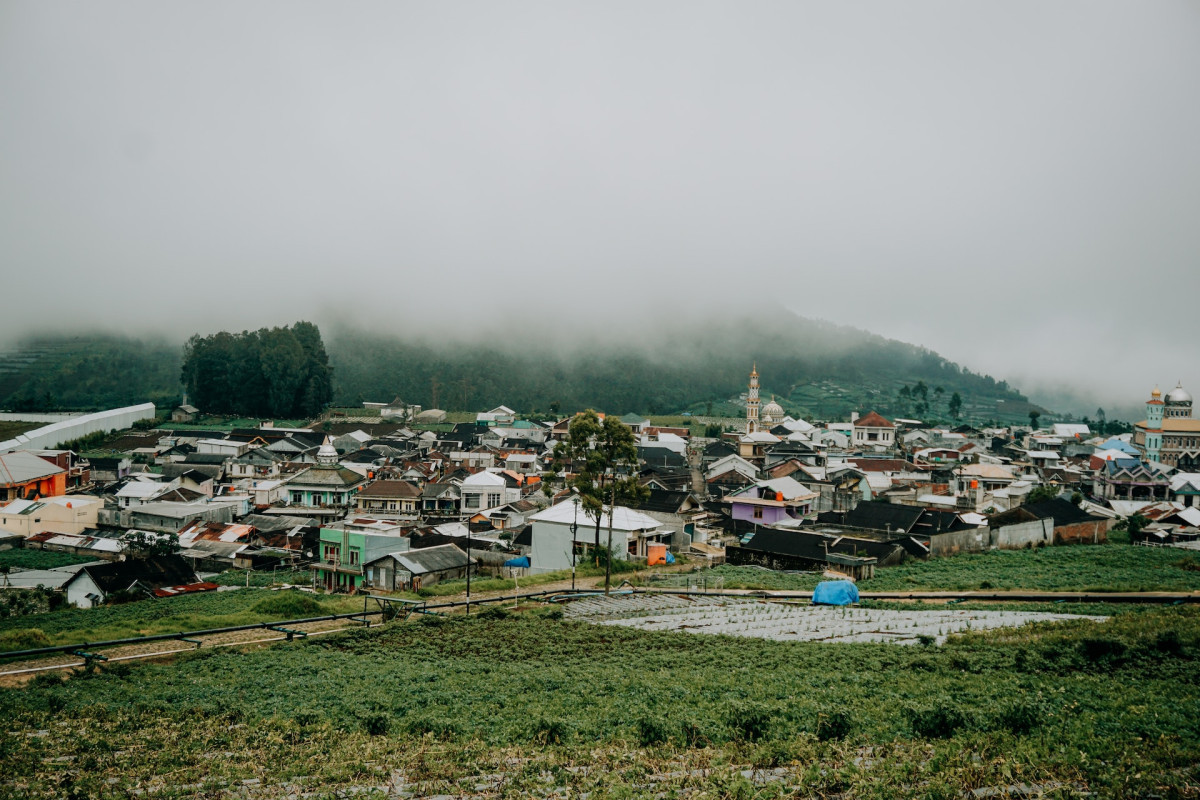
(815, 369)
(88, 372)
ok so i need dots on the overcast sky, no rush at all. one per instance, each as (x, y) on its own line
(1013, 184)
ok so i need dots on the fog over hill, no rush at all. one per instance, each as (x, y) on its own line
(1013, 186)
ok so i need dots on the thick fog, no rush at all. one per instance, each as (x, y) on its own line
(1013, 184)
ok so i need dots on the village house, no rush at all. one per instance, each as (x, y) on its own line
(327, 483)
(68, 514)
(410, 570)
(874, 434)
(555, 547)
(24, 475)
(94, 584)
(390, 497)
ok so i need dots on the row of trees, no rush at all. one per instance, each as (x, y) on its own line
(276, 372)
(915, 399)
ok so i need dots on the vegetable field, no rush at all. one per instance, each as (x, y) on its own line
(1091, 568)
(504, 705)
(168, 615)
(21, 558)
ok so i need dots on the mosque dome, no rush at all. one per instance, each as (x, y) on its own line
(327, 455)
(1178, 395)
(772, 412)
(1156, 394)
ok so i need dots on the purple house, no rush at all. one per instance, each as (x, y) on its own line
(782, 500)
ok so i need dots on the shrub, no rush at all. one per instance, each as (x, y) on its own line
(293, 605)
(749, 721)
(773, 754)
(493, 612)
(652, 730)
(548, 730)
(306, 718)
(938, 721)
(435, 726)
(23, 639)
(1019, 716)
(1169, 642)
(432, 620)
(555, 612)
(694, 735)
(833, 723)
(376, 724)
(1099, 649)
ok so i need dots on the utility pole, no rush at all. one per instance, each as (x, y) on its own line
(574, 532)
(612, 510)
(468, 568)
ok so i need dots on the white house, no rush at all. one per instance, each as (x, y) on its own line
(486, 490)
(500, 415)
(142, 491)
(222, 447)
(552, 540)
(65, 514)
(731, 462)
(874, 433)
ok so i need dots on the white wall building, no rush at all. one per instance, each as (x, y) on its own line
(486, 490)
(551, 535)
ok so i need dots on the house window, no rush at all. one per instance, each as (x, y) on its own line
(471, 500)
(758, 513)
(391, 506)
(353, 557)
(871, 437)
(493, 500)
(332, 553)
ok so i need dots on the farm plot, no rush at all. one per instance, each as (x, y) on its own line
(794, 623)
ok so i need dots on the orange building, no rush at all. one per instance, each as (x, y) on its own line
(24, 475)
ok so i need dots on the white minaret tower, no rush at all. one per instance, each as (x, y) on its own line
(752, 402)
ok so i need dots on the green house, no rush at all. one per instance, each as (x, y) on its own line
(344, 549)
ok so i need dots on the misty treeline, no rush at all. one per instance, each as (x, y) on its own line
(665, 371)
(271, 372)
(88, 373)
(284, 372)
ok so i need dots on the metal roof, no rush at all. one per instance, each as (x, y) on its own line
(19, 467)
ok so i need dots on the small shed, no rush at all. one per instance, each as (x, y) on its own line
(412, 569)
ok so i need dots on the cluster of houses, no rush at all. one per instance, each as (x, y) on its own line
(386, 503)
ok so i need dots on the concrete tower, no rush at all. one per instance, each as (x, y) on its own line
(752, 402)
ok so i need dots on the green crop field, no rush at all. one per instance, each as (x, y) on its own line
(515, 706)
(166, 615)
(21, 558)
(1092, 568)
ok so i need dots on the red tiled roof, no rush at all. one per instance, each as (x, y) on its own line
(872, 420)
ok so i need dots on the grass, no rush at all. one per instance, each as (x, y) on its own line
(1077, 568)
(11, 428)
(264, 578)
(165, 615)
(1098, 707)
(21, 558)
(620, 573)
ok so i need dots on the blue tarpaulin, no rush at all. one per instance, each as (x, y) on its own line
(835, 593)
(670, 558)
(523, 561)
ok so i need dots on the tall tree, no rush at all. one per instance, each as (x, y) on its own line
(955, 405)
(602, 455)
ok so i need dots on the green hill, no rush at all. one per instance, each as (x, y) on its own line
(698, 366)
(816, 369)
